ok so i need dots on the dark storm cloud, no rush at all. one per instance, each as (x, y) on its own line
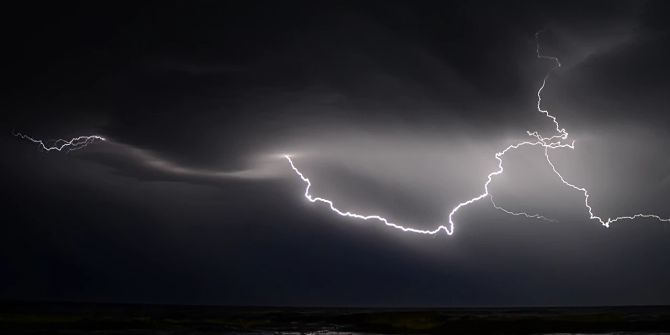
(390, 107)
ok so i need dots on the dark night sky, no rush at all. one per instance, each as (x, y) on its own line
(389, 107)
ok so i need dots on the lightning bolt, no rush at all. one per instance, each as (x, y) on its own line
(530, 216)
(604, 222)
(72, 144)
(556, 141)
(311, 198)
(552, 142)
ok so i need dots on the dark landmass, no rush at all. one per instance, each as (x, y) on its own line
(79, 318)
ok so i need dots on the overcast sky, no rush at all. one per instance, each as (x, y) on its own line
(393, 108)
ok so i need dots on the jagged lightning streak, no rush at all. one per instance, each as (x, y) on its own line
(72, 144)
(530, 216)
(447, 229)
(592, 216)
(312, 198)
(552, 142)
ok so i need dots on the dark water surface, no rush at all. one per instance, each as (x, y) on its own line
(85, 318)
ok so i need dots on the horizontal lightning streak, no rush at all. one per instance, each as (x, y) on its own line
(530, 216)
(312, 198)
(75, 143)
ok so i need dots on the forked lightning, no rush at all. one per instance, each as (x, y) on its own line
(552, 142)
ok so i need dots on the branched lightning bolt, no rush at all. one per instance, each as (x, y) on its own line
(563, 135)
(75, 143)
(592, 216)
(553, 142)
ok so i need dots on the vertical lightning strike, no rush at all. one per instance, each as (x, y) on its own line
(72, 144)
(552, 142)
(563, 135)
